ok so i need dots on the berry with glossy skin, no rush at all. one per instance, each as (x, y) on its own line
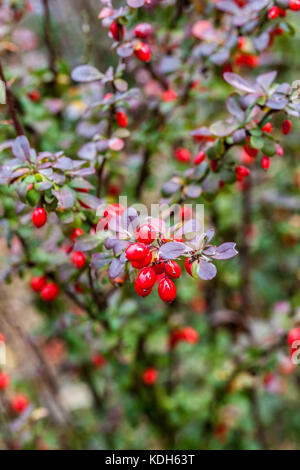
(39, 217)
(143, 30)
(265, 162)
(137, 252)
(121, 119)
(143, 263)
(78, 259)
(49, 292)
(183, 155)
(273, 13)
(140, 291)
(19, 403)
(247, 60)
(169, 95)
(241, 172)
(146, 279)
(167, 290)
(267, 128)
(294, 5)
(293, 335)
(286, 127)
(4, 380)
(159, 267)
(37, 283)
(77, 232)
(150, 376)
(200, 157)
(117, 31)
(146, 234)
(98, 360)
(143, 52)
(188, 266)
(173, 269)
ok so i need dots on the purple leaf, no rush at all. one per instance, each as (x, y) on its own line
(65, 197)
(88, 151)
(115, 268)
(209, 235)
(99, 260)
(240, 83)
(86, 73)
(120, 246)
(266, 80)
(89, 200)
(125, 50)
(86, 243)
(172, 250)
(234, 107)
(21, 148)
(225, 251)
(206, 271)
(135, 3)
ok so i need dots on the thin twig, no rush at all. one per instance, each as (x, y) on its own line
(11, 104)
(48, 38)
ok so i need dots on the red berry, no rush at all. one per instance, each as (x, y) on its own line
(241, 172)
(265, 162)
(159, 267)
(98, 360)
(37, 283)
(199, 157)
(183, 155)
(189, 334)
(273, 13)
(173, 269)
(247, 60)
(121, 119)
(146, 278)
(150, 376)
(2, 338)
(188, 266)
(293, 335)
(140, 291)
(214, 165)
(282, 13)
(143, 52)
(241, 42)
(267, 128)
(49, 292)
(137, 252)
(77, 232)
(294, 5)
(117, 30)
(169, 95)
(279, 150)
(78, 259)
(143, 263)
(34, 95)
(39, 217)
(167, 290)
(19, 403)
(286, 127)
(4, 380)
(145, 234)
(250, 151)
(143, 30)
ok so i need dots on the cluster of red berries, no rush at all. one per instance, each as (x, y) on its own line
(48, 290)
(275, 11)
(142, 31)
(184, 155)
(185, 334)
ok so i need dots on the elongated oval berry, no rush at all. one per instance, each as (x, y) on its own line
(78, 259)
(146, 278)
(143, 52)
(143, 263)
(273, 13)
(200, 157)
(145, 234)
(267, 128)
(183, 155)
(173, 269)
(188, 266)
(293, 335)
(37, 283)
(241, 172)
(140, 291)
(150, 376)
(39, 217)
(137, 252)
(159, 267)
(117, 30)
(265, 162)
(121, 119)
(49, 292)
(250, 151)
(167, 290)
(4, 380)
(142, 30)
(286, 127)
(169, 95)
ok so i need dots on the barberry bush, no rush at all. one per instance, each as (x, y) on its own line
(169, 328)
